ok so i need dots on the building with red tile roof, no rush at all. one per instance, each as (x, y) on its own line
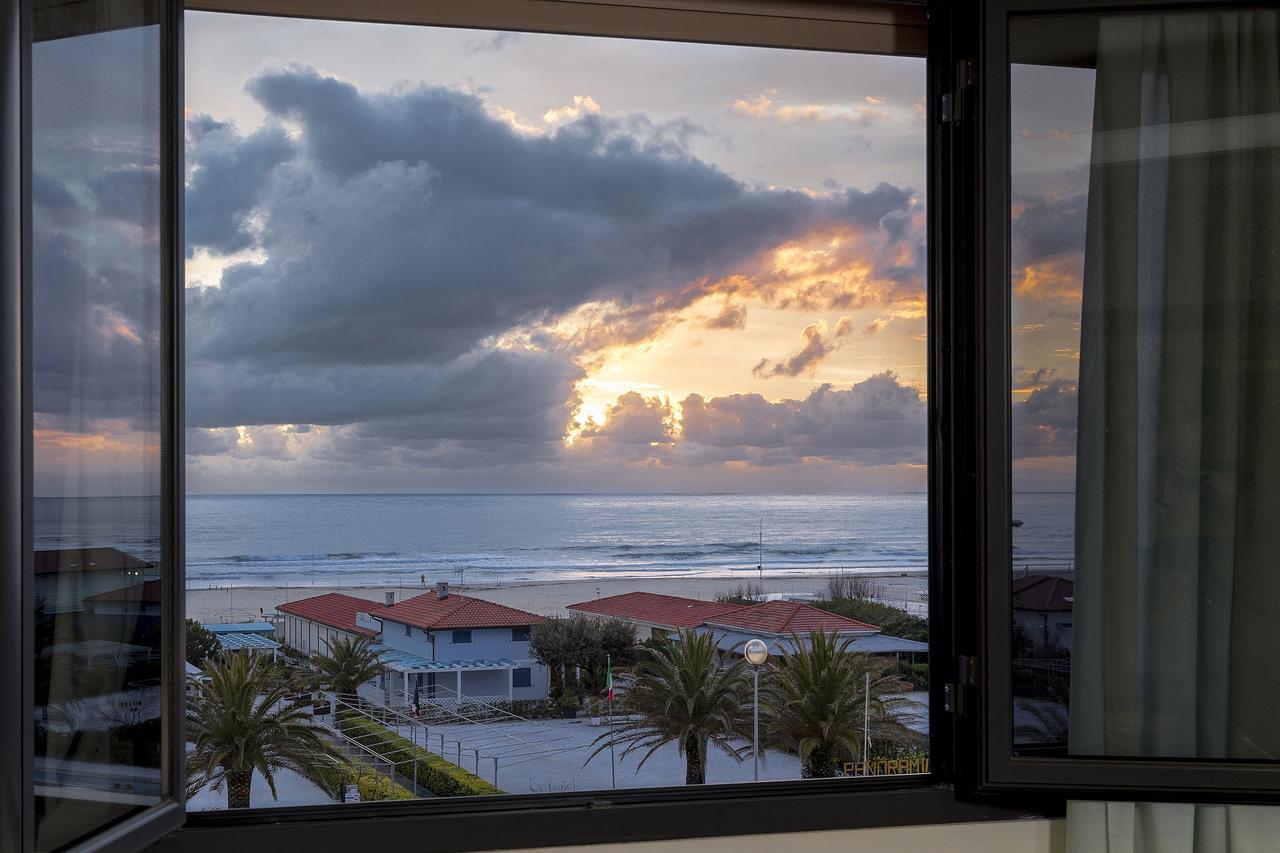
(1042, 611)
(660, 614)
(433, 611)
(310, 625)
(784, 618)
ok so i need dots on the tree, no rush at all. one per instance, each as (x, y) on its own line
(681, 693)
(202, 645)
(348, 664)
(816, 703)
(241, 721)
(579, 642)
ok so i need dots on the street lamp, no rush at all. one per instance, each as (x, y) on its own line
(756, 653)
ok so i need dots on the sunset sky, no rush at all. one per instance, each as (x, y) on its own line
(450, 260)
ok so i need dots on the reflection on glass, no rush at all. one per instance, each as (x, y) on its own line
(1145, 315)
(96, 402)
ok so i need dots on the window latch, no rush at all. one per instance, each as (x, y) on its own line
(955, 695)
(955, 105)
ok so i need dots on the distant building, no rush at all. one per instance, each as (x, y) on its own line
(252, 637)
(1042, 606)
(654, 615)
(312, 625)
(66, 577)
(777, 623)
(436, 646)
(444, 646)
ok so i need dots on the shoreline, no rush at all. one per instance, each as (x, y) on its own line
(232, 603)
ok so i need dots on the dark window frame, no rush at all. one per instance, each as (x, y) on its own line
(523, 673)
(520, 635)
(453, 638)
(997, 769)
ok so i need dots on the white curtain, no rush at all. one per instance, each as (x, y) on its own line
(1177, 595)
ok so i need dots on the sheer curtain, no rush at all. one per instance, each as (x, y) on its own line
(1177, 596)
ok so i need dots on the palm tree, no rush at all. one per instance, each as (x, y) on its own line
(816, 702)
(680, 693)
(349, 663)
(241, 720)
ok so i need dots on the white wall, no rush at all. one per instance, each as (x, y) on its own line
(486, 643)
(1012, 836)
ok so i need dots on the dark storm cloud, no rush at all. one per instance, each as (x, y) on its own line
(96, 305)
(1046, 227)
(1044, 424)
(876, 421)
(229, 180)
(406, 232)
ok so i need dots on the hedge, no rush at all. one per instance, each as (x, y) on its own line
(441, 777)
(373, 787)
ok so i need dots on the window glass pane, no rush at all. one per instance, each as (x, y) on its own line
(97, 408)
(622, 340)
(1145, 297)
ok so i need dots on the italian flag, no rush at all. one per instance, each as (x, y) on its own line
(608, 677)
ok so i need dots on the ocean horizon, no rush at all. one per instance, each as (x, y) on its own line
(393, 539)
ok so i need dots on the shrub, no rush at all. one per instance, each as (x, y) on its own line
(892, 621)
(441, 777)
(374, 787)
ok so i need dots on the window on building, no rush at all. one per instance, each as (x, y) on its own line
(519, 635)
(408, 630)
(522, 677)
(461, 637)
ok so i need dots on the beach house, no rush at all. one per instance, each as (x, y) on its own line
(437, 646)
(441, 645)
(778, 623)
(312, 625)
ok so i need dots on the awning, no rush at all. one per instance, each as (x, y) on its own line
(400, 660)
(252, 642)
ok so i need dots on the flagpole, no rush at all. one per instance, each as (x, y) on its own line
(613, 768)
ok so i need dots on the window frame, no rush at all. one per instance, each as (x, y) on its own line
(456, 633)
(17, 824)
(999, 770)
(592, 817)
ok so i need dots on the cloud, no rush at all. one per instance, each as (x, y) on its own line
(762, 106)
(815, 349)
(493, 43)
(731, 316)
(1044, 424)
(876, 421)
(582, 105)
(430, 283)
(635, 427)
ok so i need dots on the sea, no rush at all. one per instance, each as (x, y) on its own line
(372, 540)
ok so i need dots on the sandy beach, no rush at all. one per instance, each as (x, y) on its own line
(546, 598)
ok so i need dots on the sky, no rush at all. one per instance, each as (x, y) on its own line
(424, 259)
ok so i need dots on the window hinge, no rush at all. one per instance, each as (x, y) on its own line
(955, 105)
(955, 695)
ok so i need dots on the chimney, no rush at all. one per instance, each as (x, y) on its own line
(391, 598)
(442, 590)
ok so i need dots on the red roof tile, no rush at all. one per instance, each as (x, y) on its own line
(87, 560)
(789, 617)
(455, 611)
(333, 609)
(657, 609)
(1042, 592)
(148, 591)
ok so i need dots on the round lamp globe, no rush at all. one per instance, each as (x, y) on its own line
(756, 652)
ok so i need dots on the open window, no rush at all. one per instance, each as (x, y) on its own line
(1131, 160)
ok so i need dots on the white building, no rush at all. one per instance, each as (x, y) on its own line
(443, 645)
(436, 646)
(312, 625)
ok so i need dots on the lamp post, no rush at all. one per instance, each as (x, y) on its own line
(756, 653)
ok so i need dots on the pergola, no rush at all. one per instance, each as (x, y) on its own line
(253, 643)
(407, 664)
